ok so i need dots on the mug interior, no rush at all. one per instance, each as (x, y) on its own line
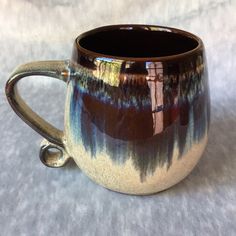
(137, 41)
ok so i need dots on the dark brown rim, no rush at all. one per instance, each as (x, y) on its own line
(145, 27)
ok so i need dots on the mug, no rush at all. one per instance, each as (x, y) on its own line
(137, 106)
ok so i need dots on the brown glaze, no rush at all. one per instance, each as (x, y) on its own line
(150, 105)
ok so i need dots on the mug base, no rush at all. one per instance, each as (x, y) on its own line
(125, 178)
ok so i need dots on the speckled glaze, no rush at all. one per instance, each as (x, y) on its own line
(135, 125)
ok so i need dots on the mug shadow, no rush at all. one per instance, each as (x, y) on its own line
(71, 165)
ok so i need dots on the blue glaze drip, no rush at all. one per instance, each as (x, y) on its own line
(147, 153)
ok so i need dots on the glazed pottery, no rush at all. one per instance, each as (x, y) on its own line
(137, 106)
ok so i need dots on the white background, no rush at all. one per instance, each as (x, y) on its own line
(35, 200)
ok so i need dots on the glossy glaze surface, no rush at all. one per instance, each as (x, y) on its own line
(137, 125)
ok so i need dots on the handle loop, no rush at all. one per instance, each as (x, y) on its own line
(57, 69)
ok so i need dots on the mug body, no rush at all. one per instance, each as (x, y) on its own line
(137, 108)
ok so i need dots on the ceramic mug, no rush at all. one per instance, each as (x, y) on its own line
(137, 106)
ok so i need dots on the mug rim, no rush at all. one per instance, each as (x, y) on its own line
(144, 27)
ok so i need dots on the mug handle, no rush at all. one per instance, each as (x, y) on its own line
(52, 151)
